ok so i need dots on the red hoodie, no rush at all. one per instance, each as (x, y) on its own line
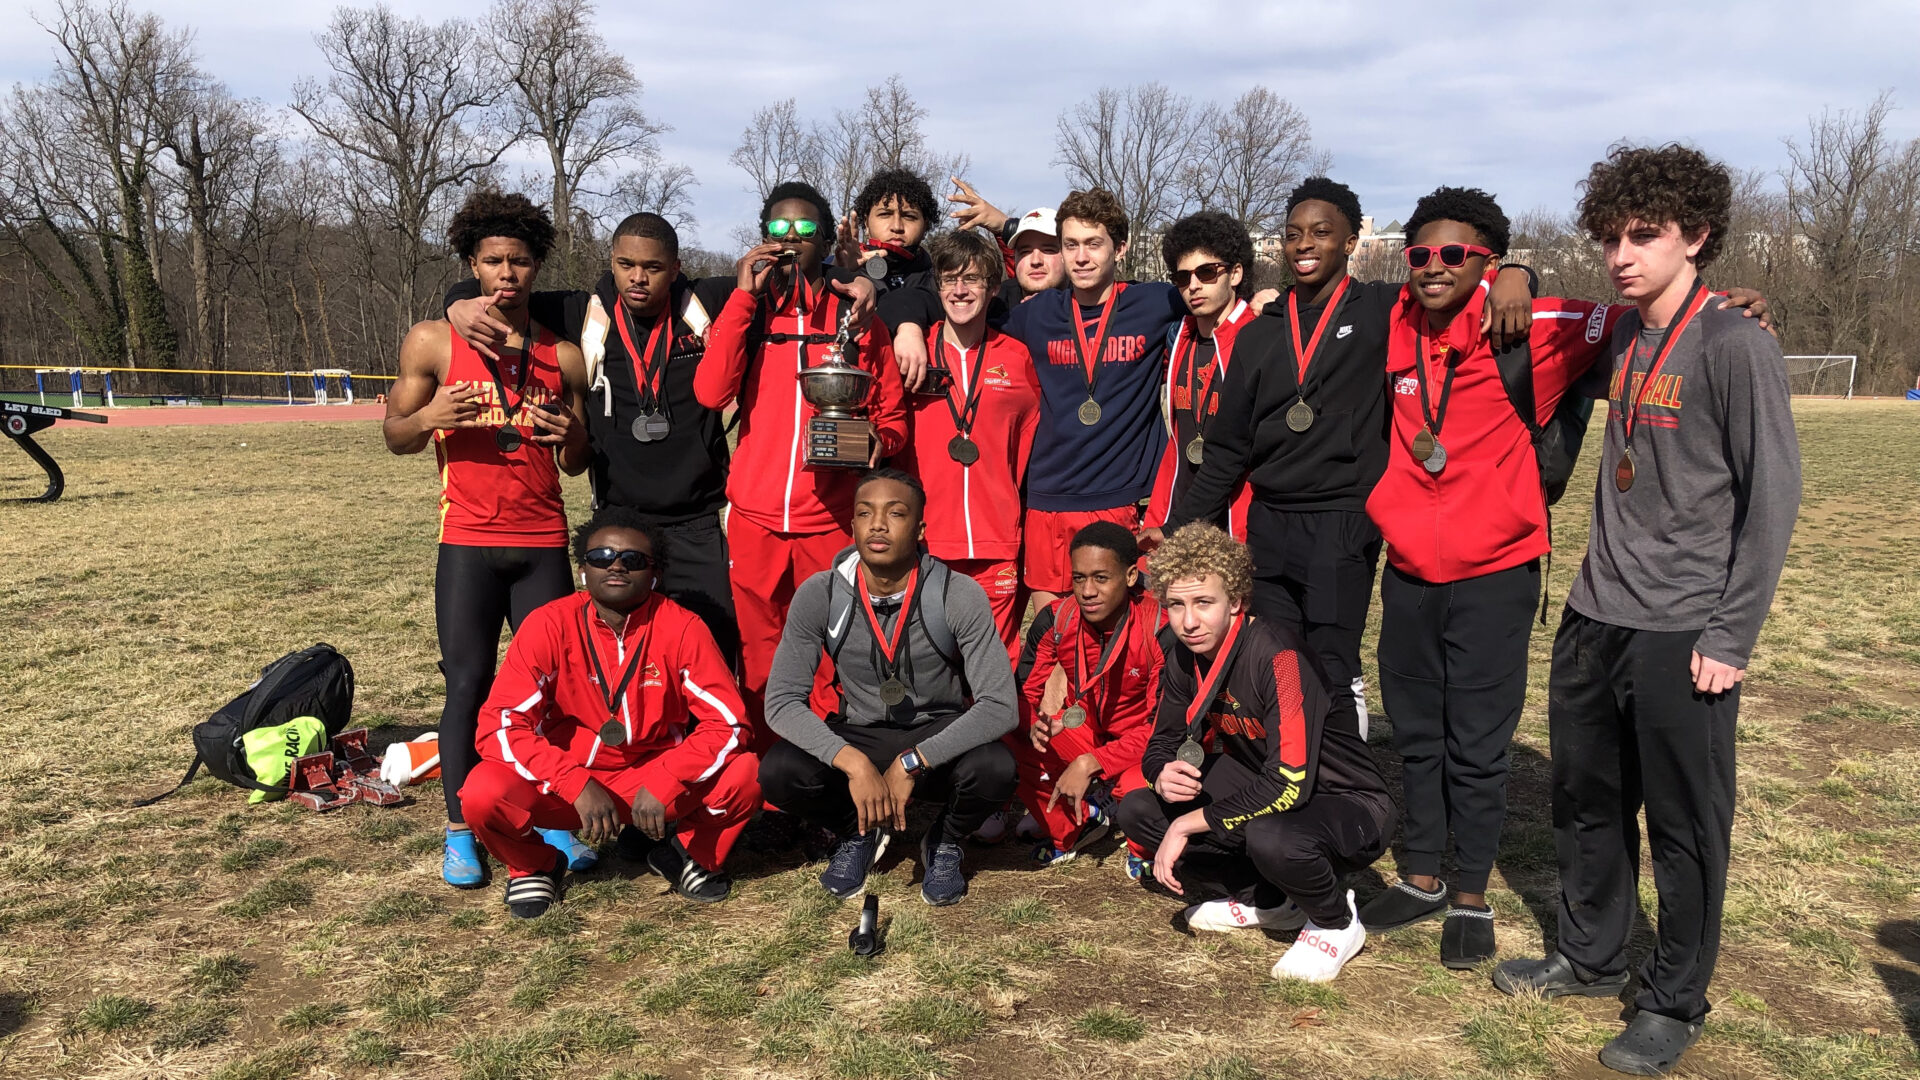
(681, 710)
(1485, 511)
(770, 482)
(1121, 703)
(973, 511)
(1175, 469)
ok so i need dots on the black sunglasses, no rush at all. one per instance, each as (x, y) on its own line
(604, 558)
(1208, 273)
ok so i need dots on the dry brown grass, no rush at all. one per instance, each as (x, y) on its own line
(268, 942)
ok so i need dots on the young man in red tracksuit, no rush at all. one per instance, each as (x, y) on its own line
(614, 707)
(1091, 685)
(786, 520)
(1210, 256)
(970, 441)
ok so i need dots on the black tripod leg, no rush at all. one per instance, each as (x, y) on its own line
(56, 480)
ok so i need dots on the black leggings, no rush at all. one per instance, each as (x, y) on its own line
(475, 589)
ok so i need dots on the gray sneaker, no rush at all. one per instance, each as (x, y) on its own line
(944, 882)
(846, 872)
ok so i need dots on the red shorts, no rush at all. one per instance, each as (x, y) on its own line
(1048, 535)
(1005, 595)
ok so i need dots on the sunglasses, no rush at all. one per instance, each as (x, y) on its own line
(1451, 255)
(781, 228)
(604, 558)
(1208, 273)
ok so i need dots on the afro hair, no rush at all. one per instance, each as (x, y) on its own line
(489, 212)
(1321, 189)
(1217, 234)
(1657, 185)
(904, 185)
(614, 516)
(796, 189)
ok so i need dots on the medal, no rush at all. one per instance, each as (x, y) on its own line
(1425, 447)
(961, 447)
(1192, 753)
(1073, 717)
(1629, 407)
(1086, 679)
(876, 267)
(1300, 414)
(1623, 471)
(1201, 395)
(613, 733)
(1423, 444)
(1196, 450)
(1299, 417)
(963, 450)
(651, 427)
(507, 439)
(892, 692)
(1089, 352)
(1089, 412)
(1437, 460)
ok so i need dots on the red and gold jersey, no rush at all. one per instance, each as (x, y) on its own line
(495, 498)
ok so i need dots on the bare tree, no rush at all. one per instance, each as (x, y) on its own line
(1137, 143)
(837, 157)
(657, 188)
(573, 93)
(406, 110)
(222, 159)
(773, 147)
(1250, 156)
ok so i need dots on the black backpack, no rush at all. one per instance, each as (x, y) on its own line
(315, 681)
(1556, 443)
(931, 605)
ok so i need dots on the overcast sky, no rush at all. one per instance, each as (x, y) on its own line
(1516, 98)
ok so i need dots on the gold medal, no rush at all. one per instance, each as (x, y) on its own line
(1300, 417)
(1073, 717)
(1423, 444)
(1089, 412)
(1623, 471)
(893, 692)
(1196, 450)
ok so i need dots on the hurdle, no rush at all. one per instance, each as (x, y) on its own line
(74, 377)
(320, 377)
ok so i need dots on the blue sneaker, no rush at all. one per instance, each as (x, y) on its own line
(579, 856)
(944, 882)
(846, 872)
(1097, 825)
(1138, 868)
(463, 867)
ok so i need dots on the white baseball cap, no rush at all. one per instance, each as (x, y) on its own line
(1040, 220)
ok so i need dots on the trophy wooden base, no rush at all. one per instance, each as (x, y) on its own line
(839, 443)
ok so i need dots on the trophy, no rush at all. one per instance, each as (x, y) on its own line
(839, 435)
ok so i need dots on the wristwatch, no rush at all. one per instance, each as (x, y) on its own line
(912, 763)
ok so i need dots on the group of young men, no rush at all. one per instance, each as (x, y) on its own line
(1189, 483)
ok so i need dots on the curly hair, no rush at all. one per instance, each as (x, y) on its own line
(1199, 549)
(1215, 234)
(904, 185)
(1321, 189)
(1468, 206)
(611, 516)
(1111, 536)
(1096, 206)
(490, 212)
(796, 189)
(959, 252)
(1657, 185)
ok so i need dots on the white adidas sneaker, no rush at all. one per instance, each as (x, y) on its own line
(1318, 954)
(1234, 915)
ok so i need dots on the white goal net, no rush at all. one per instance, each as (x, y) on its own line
(1821, 376)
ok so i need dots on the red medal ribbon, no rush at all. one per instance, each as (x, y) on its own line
(646, 385)
(889, 646)
(1697, 298)
(1210, 686)
(1090, 351)
(1109, 650)
(615, 694)
(1302, 356)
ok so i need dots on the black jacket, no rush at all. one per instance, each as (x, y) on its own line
(1270, 714)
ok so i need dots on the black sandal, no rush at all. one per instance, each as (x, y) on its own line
(529, 897)
(1651, 1046)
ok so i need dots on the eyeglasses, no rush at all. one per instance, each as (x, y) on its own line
(1208, 273)
(781, 228)
(1451, 255)
(971, 281)
(604, 558)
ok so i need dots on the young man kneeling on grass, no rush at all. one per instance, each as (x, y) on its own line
(921, 694)
(1251, 772)
(614, 707)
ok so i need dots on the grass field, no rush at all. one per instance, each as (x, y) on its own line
(202, 937)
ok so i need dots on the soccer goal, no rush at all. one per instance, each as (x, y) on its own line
(1821, 376)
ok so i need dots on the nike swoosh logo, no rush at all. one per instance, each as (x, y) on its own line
(834, 630)
(1344, 331)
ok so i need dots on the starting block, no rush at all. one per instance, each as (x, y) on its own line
(21, 419)
(345, 774)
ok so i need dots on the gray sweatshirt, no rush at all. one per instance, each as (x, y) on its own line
(1698, 542)
(935, 690)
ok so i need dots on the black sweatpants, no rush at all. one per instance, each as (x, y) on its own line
(1313, 570)
(1628, 730)
(475, 590)
(1453, 679)
(972, 786)
(696, 579)
(1303, 854)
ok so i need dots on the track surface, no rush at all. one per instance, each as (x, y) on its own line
(223, 414)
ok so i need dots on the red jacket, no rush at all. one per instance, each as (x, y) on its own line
(1121, 704)
(1485, 511)
(770, 482)
(682, 711)
(973, 511)
(1174, 467)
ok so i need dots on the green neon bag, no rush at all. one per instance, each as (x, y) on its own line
(270, 751)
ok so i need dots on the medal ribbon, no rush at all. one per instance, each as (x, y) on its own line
(1200, 403)
(1433, 419)
(963, 417)
(890, 646)
(508, 407)
(1697, 298)
(1089, 352)
(1210, 686)
(650, 368)
(1109, 650)
(1303, 354)
(639, 659)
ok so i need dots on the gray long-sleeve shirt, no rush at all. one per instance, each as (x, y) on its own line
(1698, 541)
(935, 690)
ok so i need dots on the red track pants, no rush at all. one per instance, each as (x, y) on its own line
(1037, 768)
